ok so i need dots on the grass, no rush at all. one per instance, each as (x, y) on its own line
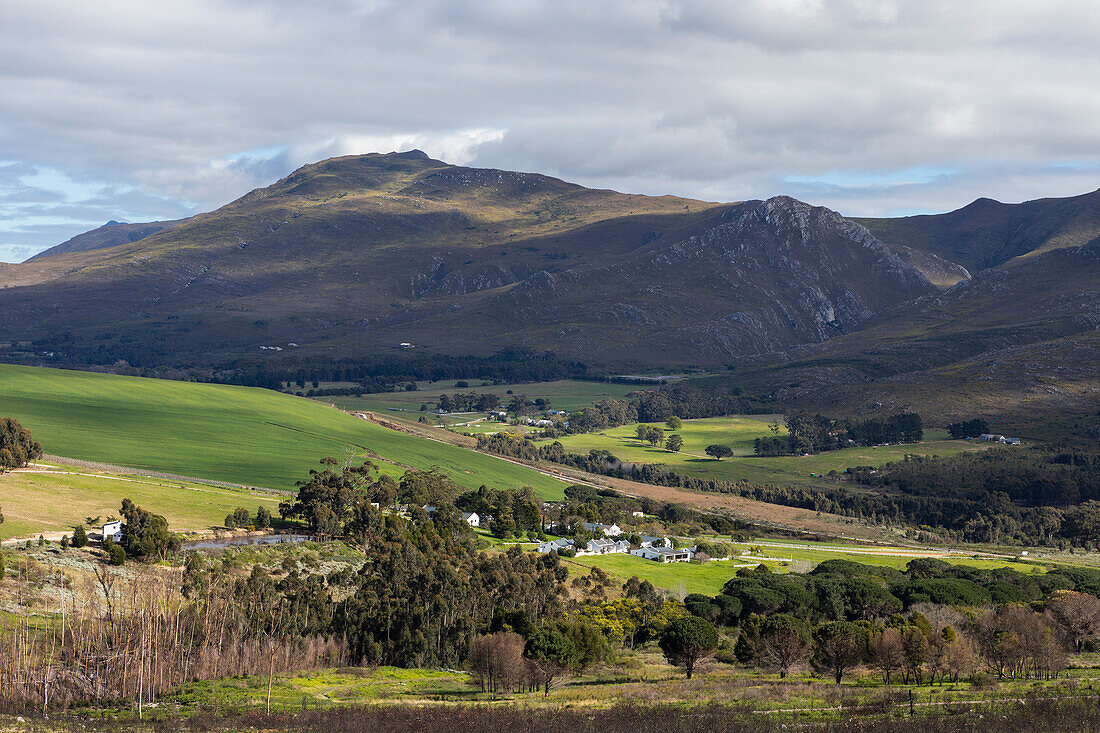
(58, 500)
(739, 432)
(709, 577)
(324, 688)
(243, 435)
(565, 394)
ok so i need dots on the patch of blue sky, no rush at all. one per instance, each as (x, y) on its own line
(258, 154)
(865, 179)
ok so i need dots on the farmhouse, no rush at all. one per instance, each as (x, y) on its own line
(1003, 440)
(662, 554)
(647, 541)
(558, 544)
(471, 518)
(608, 530)
(113, 530)
(605, 547)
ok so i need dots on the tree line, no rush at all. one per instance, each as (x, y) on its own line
(817, 433)
(932, 621)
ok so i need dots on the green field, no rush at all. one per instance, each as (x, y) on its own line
(566, 394)
(739, 432)
(238, 434)
(34, 503)
(709, 577)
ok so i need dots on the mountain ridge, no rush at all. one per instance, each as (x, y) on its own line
(362, 252)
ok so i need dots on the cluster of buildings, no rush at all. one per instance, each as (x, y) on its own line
(992, 438)
(657, 549)
(470, 518)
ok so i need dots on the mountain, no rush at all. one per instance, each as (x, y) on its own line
(358, 254)
(111, 234)
(988, 233)
(1020, 342)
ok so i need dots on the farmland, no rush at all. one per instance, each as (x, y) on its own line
(568, 394)
(236, 434)
(53, 498)
(739, 432)
(709, 577)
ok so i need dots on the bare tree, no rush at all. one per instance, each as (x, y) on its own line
(886, 653)
(1077, 614)
(784, 642)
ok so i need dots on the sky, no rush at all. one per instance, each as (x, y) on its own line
(141, 111)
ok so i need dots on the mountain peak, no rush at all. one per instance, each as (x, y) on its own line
(414, 154)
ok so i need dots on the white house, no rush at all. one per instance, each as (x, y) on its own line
(647, 541)
(471, 518)
(563, 543)
(605, 547)
(662, 554)
(991, 437)
(609, 530)
(113, 530)
(637, 514)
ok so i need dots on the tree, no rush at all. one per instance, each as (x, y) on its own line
(916, 649)
(1077, 614)
(655, 436)
(641, 432)
(674, 423)
(80, 537)
(64, 542)
(17, 447)
(115, 554)
(674, 443)
(241, 517)
(838, 646)
(497, 660)
(146, 534)
(551, 654)
(263, 517)
(719, 451)
(784, 641)
(886, 654)
(687, 640)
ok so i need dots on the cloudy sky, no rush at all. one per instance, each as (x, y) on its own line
(138, 110)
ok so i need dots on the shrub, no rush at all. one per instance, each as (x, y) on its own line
(115, 554)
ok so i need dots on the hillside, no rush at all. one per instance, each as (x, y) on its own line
(111, 234)
(236, 434)
(356, 254)
(987, 233)
(1020, 341)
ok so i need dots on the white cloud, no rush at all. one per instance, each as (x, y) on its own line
(834, 101)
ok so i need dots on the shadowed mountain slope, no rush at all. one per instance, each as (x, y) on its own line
(356, 254)
(111, 234)
(988, 233)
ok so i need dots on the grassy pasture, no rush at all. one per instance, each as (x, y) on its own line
(239, 434)
(739, 432)
(56, 500)
(708, 578)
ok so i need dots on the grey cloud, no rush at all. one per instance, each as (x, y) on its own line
(700, 98)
